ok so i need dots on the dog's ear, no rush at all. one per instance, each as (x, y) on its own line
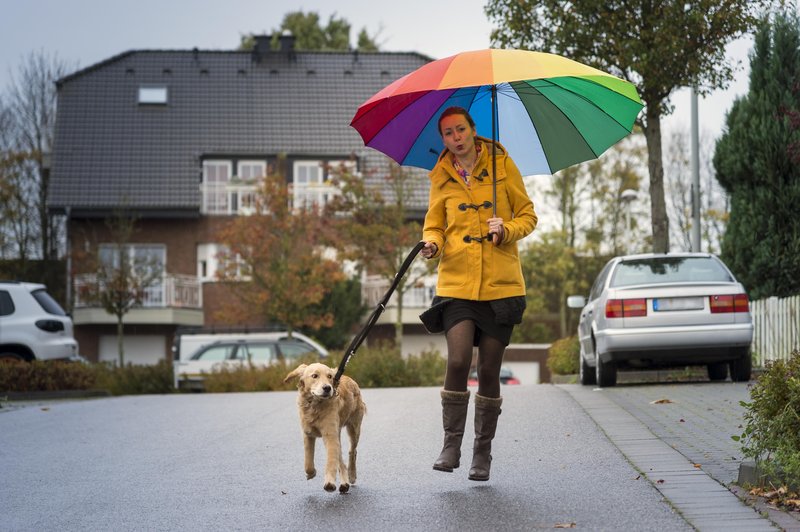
(296, 373)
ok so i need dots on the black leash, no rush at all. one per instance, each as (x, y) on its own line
(362, 335)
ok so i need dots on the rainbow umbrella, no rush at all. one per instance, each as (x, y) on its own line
(549, 112)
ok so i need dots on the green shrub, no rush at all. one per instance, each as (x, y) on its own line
(249, 379)
(562, 357)
(134, 380)
(39, 376)
(772, 430)
(383, 366)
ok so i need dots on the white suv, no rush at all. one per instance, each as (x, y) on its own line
(33, 326)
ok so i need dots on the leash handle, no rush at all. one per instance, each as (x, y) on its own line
(362, 335)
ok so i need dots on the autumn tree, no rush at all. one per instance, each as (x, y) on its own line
(714, 202)
(658, 46)
(32, 105)
(122, 276)
(754, 163)
(376, 229)
(275, 263)
(311, 34)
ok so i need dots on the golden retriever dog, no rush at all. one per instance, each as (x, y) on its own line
(323, 413)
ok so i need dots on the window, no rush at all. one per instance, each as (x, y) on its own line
(216, 176)
(312, 181)
(212, 260)
(251, 170)
(6, 304)
(152, 95)
(145, 261)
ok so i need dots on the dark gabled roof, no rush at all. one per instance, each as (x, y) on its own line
(109, 150)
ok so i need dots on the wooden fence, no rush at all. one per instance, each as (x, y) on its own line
(776, 331)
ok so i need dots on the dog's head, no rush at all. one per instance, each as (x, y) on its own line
(315, 379)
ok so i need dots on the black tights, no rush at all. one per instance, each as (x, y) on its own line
(459, 360)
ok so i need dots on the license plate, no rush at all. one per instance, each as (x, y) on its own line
(677, 303)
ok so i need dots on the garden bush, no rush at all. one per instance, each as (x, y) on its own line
(772, 429)
(371, 367)
(562, 357)
(48, 376)
(41, 376)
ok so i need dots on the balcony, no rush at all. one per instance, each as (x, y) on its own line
(415, 299)
(177, 300)
(228, 198)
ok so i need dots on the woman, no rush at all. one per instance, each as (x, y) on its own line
(480, 289)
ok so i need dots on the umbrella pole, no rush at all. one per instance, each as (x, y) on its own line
(494, 151)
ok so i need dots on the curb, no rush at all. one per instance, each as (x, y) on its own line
(54, 394)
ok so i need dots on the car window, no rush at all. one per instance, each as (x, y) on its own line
(669, 270)
(260, 352)
(293, 350)
(597, 287)
(6, 304)
(215, 353)
(47, 302)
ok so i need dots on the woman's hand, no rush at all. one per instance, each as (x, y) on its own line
(429, 250)
(496, 230)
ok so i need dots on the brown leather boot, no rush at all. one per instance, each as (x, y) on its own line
(487, 410)
(454, 417)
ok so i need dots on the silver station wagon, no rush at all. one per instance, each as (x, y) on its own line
(662, 310)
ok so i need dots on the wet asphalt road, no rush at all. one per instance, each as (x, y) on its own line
(235, 462)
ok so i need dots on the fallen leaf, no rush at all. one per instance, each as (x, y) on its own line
(565, 525)
(638, 477)
(283, 492)
(660, 481)
(793, 502)
(682, 420)
(698, 466)
(45, 409)
(661, 402)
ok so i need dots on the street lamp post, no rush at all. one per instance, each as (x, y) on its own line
(626, 198)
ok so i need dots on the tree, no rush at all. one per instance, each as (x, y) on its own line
(377, 232)
(714, 203)
(310, 34)
(32, 105)
(122, 277)
(753, 163)
(658, 46)
(275, 263)
(18, 236)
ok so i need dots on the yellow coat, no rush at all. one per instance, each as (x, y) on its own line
(471, 269)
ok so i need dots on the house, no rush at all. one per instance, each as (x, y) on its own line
(176, 138)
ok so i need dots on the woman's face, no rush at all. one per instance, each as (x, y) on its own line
(457, 135)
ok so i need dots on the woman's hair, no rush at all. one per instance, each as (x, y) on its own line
(455, 110)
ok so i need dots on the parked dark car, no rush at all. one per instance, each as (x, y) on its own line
(664, 310)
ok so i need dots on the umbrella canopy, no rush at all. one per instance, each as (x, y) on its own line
(549, 112)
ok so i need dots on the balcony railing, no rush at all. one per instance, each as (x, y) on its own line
(374, 288)
(228, 198)
(176, 291)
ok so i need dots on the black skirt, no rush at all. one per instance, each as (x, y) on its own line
(495, 318)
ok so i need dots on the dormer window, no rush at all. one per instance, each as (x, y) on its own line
(153, 95)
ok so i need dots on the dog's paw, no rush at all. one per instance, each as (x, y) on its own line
(344, 488)
(311, 473)
(329, 486)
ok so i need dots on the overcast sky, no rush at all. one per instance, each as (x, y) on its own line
(84, 32)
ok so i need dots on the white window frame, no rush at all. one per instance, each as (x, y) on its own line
(209, 258)
(154, 294)
(315, 190)
(214, 192)
(259, 172)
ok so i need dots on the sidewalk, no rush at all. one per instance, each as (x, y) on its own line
(679, 437)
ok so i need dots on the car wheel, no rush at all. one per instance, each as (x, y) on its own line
(718, 371)
(10, 357)
(605, 373)
(741, 367)
(587, 374)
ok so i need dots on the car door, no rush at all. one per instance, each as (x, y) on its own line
(590, 312)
